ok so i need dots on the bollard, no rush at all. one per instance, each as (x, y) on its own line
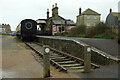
(46, 61)
(87, 59)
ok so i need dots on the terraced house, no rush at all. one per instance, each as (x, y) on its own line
(5, 29)
(88, 18)
(113, 20)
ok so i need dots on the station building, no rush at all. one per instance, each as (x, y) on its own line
(56, 23)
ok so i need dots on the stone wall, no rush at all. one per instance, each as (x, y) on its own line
(75, 49)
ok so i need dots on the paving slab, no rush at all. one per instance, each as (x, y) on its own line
(18, 62)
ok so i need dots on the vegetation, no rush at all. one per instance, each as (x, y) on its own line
(99, 31)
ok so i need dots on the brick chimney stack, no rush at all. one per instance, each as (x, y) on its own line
(110, 10)
(55, 10)
(79, 11)
(47, 13)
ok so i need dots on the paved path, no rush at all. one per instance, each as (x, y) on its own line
(18, 62)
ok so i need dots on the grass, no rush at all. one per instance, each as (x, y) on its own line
(5, 34)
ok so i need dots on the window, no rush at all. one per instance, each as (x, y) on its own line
(60, 29)
(63, 29)
(39, 27)
(88, 17)
(94, 24)
(119, 18)
(88, 24)
(95, 17)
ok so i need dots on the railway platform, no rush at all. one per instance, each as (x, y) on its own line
(18, 62)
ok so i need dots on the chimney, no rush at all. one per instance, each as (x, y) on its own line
(47, 13)
(55, 4)
(110, 10)
(79, 11)
(52, 6)
(55, 11)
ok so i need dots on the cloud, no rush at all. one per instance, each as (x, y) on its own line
(13, 11)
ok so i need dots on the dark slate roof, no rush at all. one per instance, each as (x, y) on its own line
(63, 22)
(58, 21)
(90, 12)
(116, 16)
(50, 18)
(71, 22)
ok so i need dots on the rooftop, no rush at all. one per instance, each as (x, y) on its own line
(90, 12)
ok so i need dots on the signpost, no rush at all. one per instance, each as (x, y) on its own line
(87, 59)
(46, 61)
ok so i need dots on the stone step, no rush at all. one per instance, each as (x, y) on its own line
(53, 58)
(55, 55)
(80, 67)
(66, 62)
(71, 65)
(61, 60)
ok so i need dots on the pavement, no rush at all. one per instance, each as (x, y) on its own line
(18, 62)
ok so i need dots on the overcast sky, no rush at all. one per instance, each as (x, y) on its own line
(13, 11)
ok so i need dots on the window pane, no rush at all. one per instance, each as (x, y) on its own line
(88, 17)
(94, 24)
(88, 24)
(95, 17)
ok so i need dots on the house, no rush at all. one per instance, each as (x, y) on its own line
(5, 29)
(88, 18)
(57, 23)
(113, 20)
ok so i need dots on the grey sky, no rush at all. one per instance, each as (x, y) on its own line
(13, 11)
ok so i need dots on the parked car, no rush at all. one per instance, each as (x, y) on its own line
(13, 34)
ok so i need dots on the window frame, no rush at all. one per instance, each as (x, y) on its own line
(95, 17)
(88, 17)
(88, 24)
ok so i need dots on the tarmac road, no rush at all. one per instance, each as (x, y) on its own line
(107, 45)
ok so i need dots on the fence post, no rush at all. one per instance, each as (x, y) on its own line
(46, 61)
(87, 59)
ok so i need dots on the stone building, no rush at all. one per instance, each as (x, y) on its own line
(5, 29)
(88, 18)
(56, 23)
(113, 18)
(113, 21)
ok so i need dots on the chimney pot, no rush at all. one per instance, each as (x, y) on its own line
(110, 10)
(79, 11)
(55, 4)
(52, 6)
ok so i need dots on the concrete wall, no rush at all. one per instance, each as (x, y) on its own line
(75, 49)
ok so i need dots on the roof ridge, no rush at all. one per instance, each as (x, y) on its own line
(90, 11)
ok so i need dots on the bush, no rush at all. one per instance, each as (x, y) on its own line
(77, 31)
(61, 34)
(98, 29)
